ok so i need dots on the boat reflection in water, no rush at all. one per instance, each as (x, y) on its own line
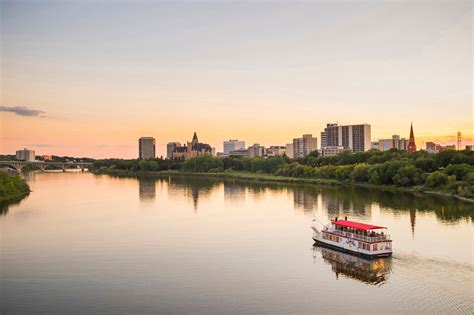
(370, 271)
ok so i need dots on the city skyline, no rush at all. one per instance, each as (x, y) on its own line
(89, 79)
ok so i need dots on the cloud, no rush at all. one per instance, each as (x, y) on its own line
(39, 145)
(22, 111)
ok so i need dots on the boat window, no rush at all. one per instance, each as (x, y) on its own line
(374, 247)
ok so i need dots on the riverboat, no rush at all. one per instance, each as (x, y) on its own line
(354, 237)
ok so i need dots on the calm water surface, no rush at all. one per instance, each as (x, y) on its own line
(84, 244)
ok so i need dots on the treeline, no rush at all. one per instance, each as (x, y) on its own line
(137, 165)
(12, 186)
(450, 171)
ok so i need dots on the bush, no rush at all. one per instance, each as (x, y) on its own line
(148, 165)
(427, 164)
(12, 186)
(459, 170)
(437, 179)
(360, 173)
(203, 163)
(408, 175)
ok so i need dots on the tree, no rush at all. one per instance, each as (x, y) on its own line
(203, 163)
(408, 175)
(437, 179)
(148, 165)
(360, 173)
(459, 170)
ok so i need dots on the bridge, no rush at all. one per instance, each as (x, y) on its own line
(19, 165)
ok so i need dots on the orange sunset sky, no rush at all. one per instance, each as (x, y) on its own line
(85, 78)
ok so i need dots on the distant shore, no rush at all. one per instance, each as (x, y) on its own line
(247, 176)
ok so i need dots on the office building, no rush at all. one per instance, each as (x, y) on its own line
(170, 148)
(256, 150)
(146, 148)
(232, 145)
(432, 147)
(25, 155)
(240, 153)
(394, 143)
(304, 146)
(351, 137)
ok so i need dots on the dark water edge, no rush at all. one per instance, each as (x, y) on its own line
(5, 204)
(344, 197)
(265, 178)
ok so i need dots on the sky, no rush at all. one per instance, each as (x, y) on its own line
(88, 78)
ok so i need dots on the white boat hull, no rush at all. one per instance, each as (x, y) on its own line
(349, 245)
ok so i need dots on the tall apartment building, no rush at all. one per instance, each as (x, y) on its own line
(146, 148)
(350, 137)
(170, 148)
(232, 145)
(304, 146)
(25, 155)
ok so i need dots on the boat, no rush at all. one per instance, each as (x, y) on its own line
(354, 237)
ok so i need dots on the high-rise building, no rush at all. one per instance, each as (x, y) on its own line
(146, 148)
(350, 137)
(25, 155)
(232, 145)
(304, 146)
(170, 148)
(411, 142)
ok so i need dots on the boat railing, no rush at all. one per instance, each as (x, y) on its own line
(377, 238)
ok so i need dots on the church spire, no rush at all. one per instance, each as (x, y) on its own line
(195, 139)
(411, 143)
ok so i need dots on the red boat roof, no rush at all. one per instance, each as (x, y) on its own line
(357, 225)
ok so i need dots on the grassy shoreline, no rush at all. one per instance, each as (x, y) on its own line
(245, 176)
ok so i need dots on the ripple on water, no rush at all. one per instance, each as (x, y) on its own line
(429, 285)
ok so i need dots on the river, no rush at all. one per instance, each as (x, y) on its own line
(84, 244)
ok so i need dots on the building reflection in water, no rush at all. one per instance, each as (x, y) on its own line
(194, 188)
(345, 200)
(233, 192)
(146, 188)
(370, 271)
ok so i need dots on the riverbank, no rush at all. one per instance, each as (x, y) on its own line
(246, 176)
(12, 187)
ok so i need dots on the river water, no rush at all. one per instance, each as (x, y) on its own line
(86, 244)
